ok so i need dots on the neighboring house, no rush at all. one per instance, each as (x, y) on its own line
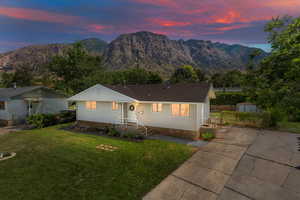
(18, 103)
(247, 107)
(178, 109)
(233, 89)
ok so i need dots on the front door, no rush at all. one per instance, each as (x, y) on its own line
(131, 113)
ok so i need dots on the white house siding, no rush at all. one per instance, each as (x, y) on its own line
(165, 119)
(52, 105)
(199, 120)
(17, 110)
(206, 109)
(103, 113)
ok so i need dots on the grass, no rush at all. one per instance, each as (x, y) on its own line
(293, 127)
(55, 164)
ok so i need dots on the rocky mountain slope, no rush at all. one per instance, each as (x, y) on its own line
(144, 49)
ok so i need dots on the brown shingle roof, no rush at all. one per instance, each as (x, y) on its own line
(181, 92)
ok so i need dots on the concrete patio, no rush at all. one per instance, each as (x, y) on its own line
(240, 164)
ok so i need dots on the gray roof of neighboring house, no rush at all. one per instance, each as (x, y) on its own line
(180, 92)
(7, 93)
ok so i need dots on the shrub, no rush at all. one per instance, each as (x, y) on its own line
(136, 136)
(139, 137)
(66, 116)
(113, 132)
(207, 136)
(229, 98)
(42, 120)
(129, 135)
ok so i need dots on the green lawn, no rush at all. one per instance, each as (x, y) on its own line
(52, 164)
(293, 127)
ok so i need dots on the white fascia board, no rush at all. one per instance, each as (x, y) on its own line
(169, 102)
(101, 93)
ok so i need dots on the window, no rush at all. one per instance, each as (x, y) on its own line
(175, 109)
(91, 105)
(180, 110)
(156, 107)
(2, 105)
(184, 110)
(115, 105)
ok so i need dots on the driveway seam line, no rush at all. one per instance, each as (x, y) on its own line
(190, 182)
(218, 154)
(229, 188)
(259, 157)
(244, 153)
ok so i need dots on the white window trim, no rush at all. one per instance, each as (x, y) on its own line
(180, 113)
(115, 105)
(91, 105)
(157, 106)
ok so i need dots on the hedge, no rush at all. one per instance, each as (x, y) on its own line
(229, 98)
(258, 120)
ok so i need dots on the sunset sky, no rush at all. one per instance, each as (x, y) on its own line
(26, 22)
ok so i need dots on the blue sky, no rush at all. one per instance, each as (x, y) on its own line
(59, 21)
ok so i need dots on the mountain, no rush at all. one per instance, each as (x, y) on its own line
(37, 55)
(215, 56)
(31, 55)
(159, 53)
(94, 45)
(146, 50)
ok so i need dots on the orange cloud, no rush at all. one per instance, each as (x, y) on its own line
(231, 17)
(168, 23)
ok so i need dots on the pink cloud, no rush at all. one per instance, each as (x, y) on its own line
(232, 27)
(37, 15)
(51, 17)
(96, 28)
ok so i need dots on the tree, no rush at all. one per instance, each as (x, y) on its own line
(21, 77)
(200, 75)
(232, 78)
(72, 68)
(275, 84)
(185, 74)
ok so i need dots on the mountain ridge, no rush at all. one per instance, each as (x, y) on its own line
(155, 52)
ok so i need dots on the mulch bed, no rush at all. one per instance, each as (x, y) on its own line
(96, 131)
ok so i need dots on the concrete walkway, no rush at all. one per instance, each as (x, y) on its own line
(240, 164)
(9, 129)
(193, 143)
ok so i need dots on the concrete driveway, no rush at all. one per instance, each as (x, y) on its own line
(240, 164)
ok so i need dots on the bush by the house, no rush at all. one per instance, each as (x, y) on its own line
(112, 131)
(42, 120)
(136, 136)
(259, 120)
(66, 116)
(228, 98)
(207, 136)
